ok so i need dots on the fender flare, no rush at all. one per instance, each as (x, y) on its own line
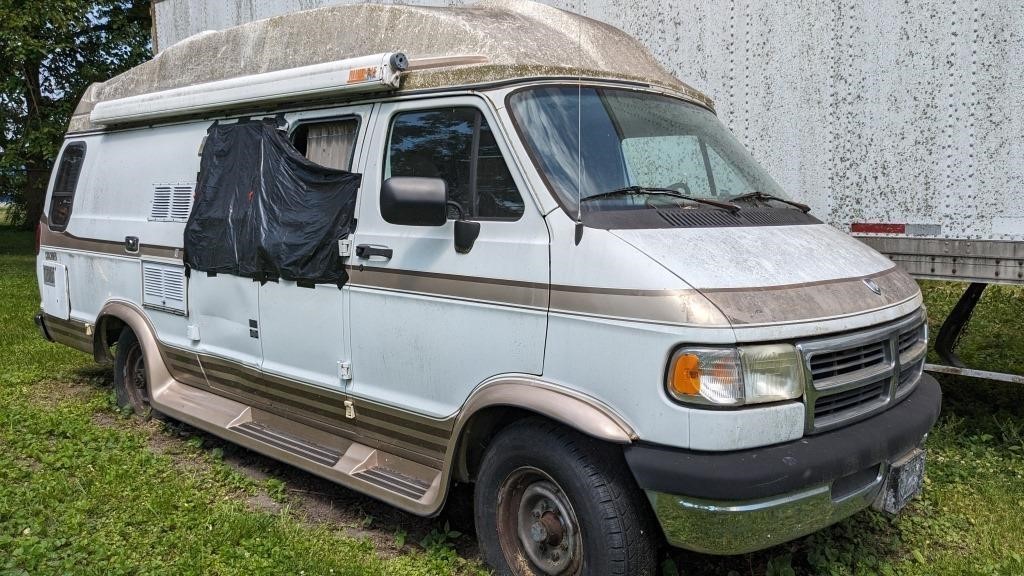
(574, 409)
(135, 318)
(571, 408)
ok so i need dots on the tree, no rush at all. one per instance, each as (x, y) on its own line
(50, 51)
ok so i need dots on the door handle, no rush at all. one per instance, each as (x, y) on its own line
(131, 244)
(367, 250)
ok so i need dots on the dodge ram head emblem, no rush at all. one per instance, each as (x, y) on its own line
(873, 286)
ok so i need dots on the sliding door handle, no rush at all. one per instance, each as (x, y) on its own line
(367, 250)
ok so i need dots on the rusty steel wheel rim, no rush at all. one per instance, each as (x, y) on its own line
(537, 526)
(135, 378)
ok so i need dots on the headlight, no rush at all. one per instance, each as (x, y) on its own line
(734, 376)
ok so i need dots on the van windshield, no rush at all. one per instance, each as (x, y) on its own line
(592, 141)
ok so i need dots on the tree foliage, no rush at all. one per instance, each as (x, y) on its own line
(50, 51)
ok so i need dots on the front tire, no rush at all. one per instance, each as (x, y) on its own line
(131, 384)
(550, 501)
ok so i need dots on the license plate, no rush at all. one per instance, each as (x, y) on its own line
(903, 482)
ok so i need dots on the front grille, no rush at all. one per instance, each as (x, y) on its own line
(852, 376)
(909, 375)
(840, 402)
(840, 362)
(907, 340)
(912, 345)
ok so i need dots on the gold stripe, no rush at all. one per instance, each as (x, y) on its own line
(493, 290)
(730, 306)
(418, 437)
(748, 306)
(68, 241)
(69, 333)
(662, 306)
(812, 300)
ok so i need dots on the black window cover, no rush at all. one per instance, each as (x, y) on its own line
(264, 211)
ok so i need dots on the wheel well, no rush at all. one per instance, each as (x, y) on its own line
(477, 434)
(108, 330)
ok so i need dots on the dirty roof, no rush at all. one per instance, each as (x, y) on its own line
(514, 38)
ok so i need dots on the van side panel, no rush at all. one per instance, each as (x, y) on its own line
(114, 202)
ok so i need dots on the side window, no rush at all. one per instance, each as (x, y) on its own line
(456, 145)
(63, 198)
(329, 144)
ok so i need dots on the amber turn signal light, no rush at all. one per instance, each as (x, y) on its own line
(686, 375)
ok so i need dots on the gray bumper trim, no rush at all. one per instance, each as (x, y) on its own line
(738, 527)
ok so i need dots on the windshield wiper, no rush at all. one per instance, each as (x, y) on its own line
(648, 191)
(758, 195)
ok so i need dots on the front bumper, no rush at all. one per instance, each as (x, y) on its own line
(737, 502)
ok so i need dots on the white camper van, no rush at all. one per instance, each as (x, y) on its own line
(405, 247)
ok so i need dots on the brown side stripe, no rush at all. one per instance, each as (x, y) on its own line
(740, 306)
(813, 300)
(50, 239)
(495, 290)
(69, 332)
(422, 437)
(428, 453)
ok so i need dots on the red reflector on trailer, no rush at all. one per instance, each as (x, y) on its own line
(878, 228)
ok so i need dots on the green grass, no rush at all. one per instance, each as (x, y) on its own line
(84, 491)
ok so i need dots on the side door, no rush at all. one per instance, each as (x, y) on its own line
(303, 327)
(429, 324)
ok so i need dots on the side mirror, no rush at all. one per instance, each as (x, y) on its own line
(414, 201)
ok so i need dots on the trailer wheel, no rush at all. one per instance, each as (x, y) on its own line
(550, 501)
(130, 383)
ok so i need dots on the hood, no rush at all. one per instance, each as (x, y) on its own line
(778, 274)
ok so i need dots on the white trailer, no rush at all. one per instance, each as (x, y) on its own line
(898, 122)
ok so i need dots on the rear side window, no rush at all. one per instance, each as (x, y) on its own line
(329, 144)
(456, 145)
(63, 198)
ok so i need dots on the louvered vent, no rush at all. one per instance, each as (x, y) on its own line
(163, 286)
(704, 218)
(171, 203)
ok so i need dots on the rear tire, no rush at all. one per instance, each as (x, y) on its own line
(551, 501)
(131, 384)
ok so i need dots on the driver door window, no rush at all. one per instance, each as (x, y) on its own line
(456, 145)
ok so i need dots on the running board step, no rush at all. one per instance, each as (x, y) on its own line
(337, 455)
(297, 446)
(394, 481)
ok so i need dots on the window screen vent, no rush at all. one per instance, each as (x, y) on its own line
(163, 286)
(171, 203)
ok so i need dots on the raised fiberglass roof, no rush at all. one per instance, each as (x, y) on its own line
(507, 40)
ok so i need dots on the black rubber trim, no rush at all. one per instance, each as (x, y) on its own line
(783, 468)
(702, 217)
(41, 324)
